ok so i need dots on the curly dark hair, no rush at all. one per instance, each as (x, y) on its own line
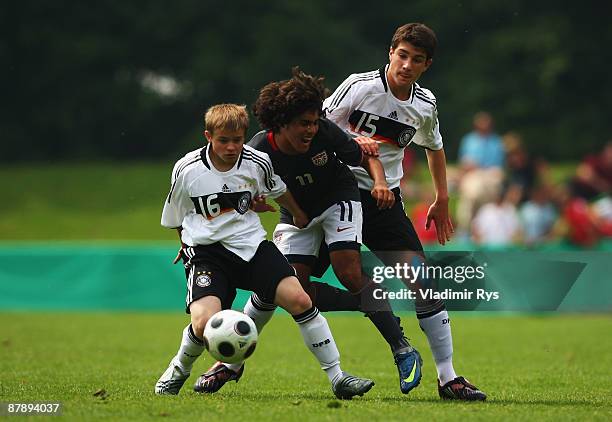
(281, 102)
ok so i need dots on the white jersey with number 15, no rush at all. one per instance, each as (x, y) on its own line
(363, 105)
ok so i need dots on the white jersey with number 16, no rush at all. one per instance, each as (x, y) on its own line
(213, 206)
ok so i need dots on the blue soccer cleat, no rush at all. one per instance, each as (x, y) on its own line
(409, 368)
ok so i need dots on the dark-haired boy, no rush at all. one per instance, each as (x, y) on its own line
(310, 154)
(386, 110)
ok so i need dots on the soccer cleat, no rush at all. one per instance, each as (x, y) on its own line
(409, 368)
(460, 389)
(216, 377)
(171, 380)
(349, 386)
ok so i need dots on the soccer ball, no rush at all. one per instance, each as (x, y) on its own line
(230, 336)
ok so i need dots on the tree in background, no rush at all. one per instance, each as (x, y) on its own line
(116, 80)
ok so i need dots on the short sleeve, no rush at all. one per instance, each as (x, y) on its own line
(269, 183)
(177, 204)
(429, 135)
(339, 106)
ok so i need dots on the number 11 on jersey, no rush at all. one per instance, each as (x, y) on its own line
(305, 180)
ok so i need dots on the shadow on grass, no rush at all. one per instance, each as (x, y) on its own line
(322, 397)
(493, 401)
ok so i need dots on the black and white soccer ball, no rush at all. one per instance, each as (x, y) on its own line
(230, 336)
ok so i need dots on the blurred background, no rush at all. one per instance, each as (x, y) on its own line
(100, 99)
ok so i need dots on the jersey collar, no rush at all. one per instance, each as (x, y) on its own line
(208, 164)
(271, 141)
(204, 156)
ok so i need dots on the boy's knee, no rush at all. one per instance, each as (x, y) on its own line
(199, 320)
(201, 311)
(300, 302)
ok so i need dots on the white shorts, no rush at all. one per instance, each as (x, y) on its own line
(339, 226)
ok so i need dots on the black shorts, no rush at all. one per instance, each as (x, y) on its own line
(385, 231)
(212, 270)
(389, 229)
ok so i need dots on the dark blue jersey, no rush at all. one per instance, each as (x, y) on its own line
(320, 177)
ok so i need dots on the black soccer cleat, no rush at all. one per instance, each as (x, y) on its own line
(216, 377)
(460, 389)
(349, 386)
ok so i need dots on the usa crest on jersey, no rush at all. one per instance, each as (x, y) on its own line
(319, 159)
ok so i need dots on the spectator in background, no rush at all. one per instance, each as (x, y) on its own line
(580, 226)
(593, 177)
(497, 223)
(522, 171)
(481, 157)
(587, 203)
(538, 216)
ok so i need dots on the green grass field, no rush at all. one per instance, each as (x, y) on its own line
(532, 367)
(536, 367)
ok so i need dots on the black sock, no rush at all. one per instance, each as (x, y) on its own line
(380, 313)
(388, 326)
(329, 298)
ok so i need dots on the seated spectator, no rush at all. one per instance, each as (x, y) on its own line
(481, 157)
(579, 222)
(497, 223)
(602, 213)
(522, 170)
(594, 175)
(538, 216)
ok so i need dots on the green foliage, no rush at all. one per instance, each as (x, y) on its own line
(82, 80)
(549, 368)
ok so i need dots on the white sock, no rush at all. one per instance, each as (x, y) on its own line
(260, 312)
(438, 331)
(234, 366)
(191, 348)
(319, 340)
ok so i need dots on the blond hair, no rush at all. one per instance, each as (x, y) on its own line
(226, 116)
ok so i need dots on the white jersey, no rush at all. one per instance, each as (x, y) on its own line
(363, 105)
(214, 206)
